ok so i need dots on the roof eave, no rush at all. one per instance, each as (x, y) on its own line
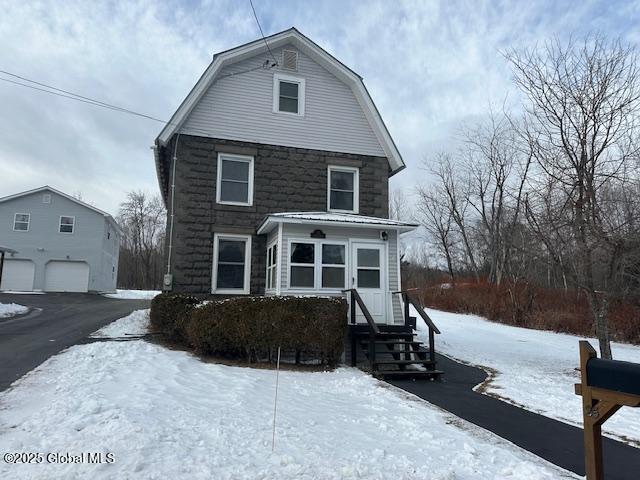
(271, 222)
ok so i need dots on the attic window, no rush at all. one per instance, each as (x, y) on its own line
(288, 94)
(290, 60)
(46, 198)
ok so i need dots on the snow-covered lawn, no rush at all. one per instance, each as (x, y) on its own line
(133, 294)
(11, 309)
(166, 414)
(533, 368)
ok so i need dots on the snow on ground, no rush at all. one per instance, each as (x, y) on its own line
(135, 324)
(166, 414)
(133, 294)
(18, 292)
(534, 368)
(11, 309)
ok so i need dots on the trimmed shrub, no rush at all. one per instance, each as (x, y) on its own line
(252, 328)
(170, 312)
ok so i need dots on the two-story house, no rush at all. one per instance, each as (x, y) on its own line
(61, 244)
(275, 172)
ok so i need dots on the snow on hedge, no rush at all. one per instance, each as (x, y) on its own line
(11, 309)
(535, 369)
(133, 294)
(166, 414)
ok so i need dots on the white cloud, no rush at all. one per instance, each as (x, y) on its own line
(429, 65)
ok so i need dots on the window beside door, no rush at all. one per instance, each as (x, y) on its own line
(317, 265)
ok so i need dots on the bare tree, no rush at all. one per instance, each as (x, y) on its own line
(581, 121)
(434, 215)
(142, 218)
(454, 192)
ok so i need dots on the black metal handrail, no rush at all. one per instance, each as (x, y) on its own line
(408, 300)
(373, 328)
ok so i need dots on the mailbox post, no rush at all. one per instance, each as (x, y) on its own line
(605, 387)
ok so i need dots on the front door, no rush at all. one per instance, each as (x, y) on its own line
(368, 276)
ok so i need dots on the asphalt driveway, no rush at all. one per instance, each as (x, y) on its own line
(56, 321)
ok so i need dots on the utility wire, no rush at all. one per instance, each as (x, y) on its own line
(82, 99)
(262, 33)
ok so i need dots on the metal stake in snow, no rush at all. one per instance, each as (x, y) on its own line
(275, 405)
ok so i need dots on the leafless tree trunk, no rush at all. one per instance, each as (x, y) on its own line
(142, 219)
(581, 121)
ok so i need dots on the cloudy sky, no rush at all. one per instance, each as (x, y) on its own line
(430, 67)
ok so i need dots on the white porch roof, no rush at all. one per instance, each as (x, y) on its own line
(333, 219)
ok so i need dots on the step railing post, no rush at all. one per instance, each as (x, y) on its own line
(354, 352)
(372, 350)
(432, 348)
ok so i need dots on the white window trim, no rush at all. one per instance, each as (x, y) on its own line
(247, 260)
(240, 158)
(317, 264)
(313, 265)
(73, 225)
(28, 222)
(274, 266)
(356, 187)
(277, 78)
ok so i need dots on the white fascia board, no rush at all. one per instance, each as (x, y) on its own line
(271, 223)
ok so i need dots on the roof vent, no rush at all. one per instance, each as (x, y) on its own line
(46, 198)
(290, 60)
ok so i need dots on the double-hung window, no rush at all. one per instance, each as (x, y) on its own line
(288, 94)
(303, 259)
(66, 224)
(317, 265)
(333, 266)
(21, 222)
(235, 179)
(342, 183)
(231, 263)
(272, 262)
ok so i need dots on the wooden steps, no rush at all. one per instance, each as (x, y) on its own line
(392, 351)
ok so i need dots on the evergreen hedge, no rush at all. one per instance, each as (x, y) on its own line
(252, 328)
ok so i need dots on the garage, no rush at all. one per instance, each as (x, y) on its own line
(17, 275)
(64, 276)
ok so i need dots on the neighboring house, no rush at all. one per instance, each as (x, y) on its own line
(276, 180)
(63, 244)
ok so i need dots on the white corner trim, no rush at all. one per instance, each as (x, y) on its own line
(277, 78)
(247, 264)
(239, 158)
(280, 260)
(356, 187)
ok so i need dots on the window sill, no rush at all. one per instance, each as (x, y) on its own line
(230, 292)
(235, 207)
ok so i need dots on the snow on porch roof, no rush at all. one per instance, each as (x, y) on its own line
(333, 219)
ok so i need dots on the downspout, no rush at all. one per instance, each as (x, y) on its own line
(172, 206)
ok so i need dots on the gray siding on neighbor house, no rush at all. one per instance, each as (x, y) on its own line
(43, 242)
(286, 179)
(353, 234)
(240, 107)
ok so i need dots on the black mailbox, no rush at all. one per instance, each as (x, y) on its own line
(614, 375)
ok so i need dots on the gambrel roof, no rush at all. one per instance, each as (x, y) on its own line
(314, 51)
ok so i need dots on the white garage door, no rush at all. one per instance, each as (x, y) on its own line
(17, 275)
(62, 276)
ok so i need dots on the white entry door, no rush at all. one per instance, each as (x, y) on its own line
(61, 276)
(17, 275)
(369, 278)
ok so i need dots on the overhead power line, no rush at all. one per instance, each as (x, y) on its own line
(255, 15)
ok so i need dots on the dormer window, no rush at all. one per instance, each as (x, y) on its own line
(342, 189)
(288, 94)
